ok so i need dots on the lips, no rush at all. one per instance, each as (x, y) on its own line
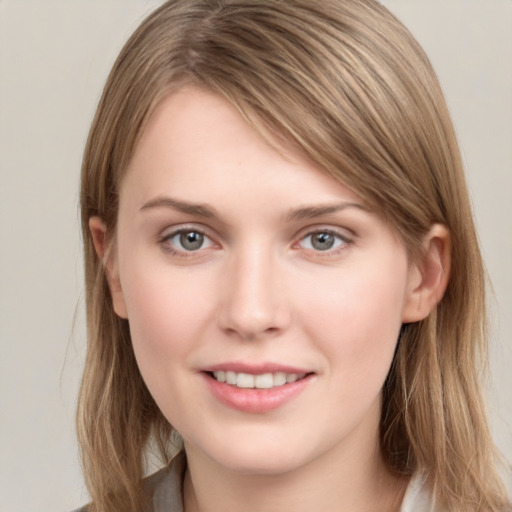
(256, 388)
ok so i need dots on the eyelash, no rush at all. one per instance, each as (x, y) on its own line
(166, 243)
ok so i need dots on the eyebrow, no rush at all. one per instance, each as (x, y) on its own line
(181, 206)
(201, 210)
(310, 212)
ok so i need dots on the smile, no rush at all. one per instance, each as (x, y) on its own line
(256, 388)
(260, 381)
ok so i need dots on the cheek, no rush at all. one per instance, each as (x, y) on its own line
(355, 319)
(166, 312)
(167, 318)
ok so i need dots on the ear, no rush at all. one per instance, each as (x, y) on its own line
(428, 276)
(102, 247)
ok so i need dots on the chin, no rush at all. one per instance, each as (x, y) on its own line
(257, 458)
(270, 464)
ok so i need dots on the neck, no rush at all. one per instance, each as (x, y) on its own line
(342, 480)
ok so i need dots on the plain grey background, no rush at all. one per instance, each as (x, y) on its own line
(54, 58)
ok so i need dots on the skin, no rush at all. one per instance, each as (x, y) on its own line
(259, 290)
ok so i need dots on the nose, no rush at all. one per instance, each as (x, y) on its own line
(253, 303)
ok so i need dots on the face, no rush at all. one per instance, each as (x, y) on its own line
(264, 298)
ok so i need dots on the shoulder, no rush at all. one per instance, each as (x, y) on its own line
(165, 487)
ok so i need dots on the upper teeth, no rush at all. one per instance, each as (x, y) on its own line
(262, 381)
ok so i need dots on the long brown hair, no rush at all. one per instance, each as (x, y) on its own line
(348, 86)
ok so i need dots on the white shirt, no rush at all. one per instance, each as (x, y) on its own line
(417, 497)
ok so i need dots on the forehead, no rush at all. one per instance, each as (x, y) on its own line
(197, 145)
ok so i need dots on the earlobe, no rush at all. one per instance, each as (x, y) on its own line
(101, 245)
(428, 276)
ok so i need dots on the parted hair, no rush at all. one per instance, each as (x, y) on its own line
(345, 83)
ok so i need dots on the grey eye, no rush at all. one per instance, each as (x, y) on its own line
(186, 241)
(191, 240)
(322, 241)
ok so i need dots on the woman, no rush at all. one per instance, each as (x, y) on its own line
(283, 277)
